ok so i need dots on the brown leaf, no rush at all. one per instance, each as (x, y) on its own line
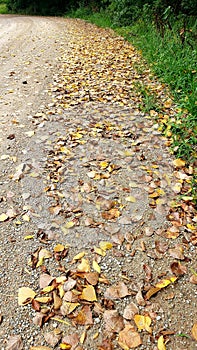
(15, 343)
(139, 298)
(113, 321)
(106, 345)
(89, 294)
(148, 272)
(51, 338)
(38, 319)
(130, 310)
(92, 278)
(193, 279)
(128, 338)
(40, 348)
(45, 280)
(69, 284)
(117, 291)
(178, 269)
(71, 339)
(194, 331)
(84, 317)
(161, 247)
(177, 252)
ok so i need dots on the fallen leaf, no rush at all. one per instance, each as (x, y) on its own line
(69, 284)
(177, 252)
(165, 282)
(130, 199)
(84, 316)
(45, 280)
(92, 278)
(105, 245)
(3, 217)
(143, 322)
(193, 279)
(59, 248)
(128, 338)
(84, 266)
(51, 338)
(178, 269)
(25, 295)
(79, 256)
(15, 343)
(117, 291)
(89, 294)
(69, 224)
(67, 308)
(72, 340)
(130, 311)
(96, 266)
(113, 321)
(161, 344)
(179, 163)
(194, 331)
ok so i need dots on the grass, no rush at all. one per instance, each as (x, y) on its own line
(3, 8)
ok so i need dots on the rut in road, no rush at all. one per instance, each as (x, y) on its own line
(90, 208)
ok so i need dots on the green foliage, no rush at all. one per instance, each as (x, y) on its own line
(3, 8)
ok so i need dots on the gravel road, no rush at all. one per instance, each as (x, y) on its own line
(50, 155)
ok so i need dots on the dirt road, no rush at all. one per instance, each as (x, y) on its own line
(82, 165)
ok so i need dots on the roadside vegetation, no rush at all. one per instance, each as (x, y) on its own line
(165, 33)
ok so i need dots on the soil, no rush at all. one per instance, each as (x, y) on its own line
(92, 161)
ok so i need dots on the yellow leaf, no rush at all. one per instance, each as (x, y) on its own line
(69, 224)
(99, 251)
(45, 254)
(29, 237)
(47, 289)
(65, 150)
(194, 331)
(95, 336)
(59, 248)
(84, 266)
(40, 262)
(96, 266)
(89, 294)
(161, 344)
(25, 295)
(143, 322)
(43, 300)
(130, 199)
(61, 321)
(3, 217)
(69, 307)
(104, 245)
(64, 346)
(179, 163)
(79, 256)
(103, 165)
(26, 218)
(30, 133)
(165, 282)
(83, 337)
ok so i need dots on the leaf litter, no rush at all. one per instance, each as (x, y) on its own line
(105, 178)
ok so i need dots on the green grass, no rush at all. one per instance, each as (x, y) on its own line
(3, 8)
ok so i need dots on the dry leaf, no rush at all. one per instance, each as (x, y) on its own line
(143, 322)
(84, 266)
(113, 321)
(25, 295)
(89, 294)
(72, 340)
(15, 343)
(130, 199)
(3, 217)
(92, 278)
(130, 311)
(84, 316)
(69, 284)
(105, 245)
(45, 280)
(161, 344)
(96, 266)
(193, 279)
(178, 269)
(67, 308)
(194, 331)
(179, 163)
(59, 248)
(79, 256)
(177, 252)
(128, 338)
(51, 338)
(117, 291)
